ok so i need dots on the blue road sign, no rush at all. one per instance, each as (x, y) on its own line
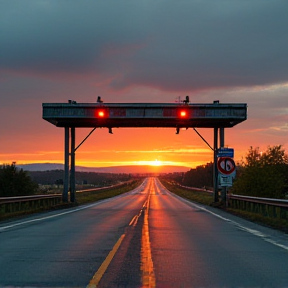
(225, 152)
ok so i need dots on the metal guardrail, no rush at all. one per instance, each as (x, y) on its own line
(16, 205)
(196, 189)
(258, 200)
(106, 187)
(10, 205)
(6, 200)
(267, 207)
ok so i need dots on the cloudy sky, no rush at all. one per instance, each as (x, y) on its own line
(141, 51)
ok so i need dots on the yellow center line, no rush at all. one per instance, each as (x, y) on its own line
(100, 272)
(98, 275)
(148, 276)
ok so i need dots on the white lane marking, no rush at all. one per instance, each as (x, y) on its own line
(133, 219)
(244, 228)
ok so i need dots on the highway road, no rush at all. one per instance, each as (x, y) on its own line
(147, 237)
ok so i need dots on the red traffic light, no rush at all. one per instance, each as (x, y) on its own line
(101, 113)
(182, 113)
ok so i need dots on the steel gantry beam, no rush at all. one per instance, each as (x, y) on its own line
(175, 115)
(73, 115)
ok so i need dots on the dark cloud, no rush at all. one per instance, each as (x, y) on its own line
(169, 45)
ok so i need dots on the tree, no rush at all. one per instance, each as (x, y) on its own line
(252, 158)
(274, 155)
(15, 182)
(263, 174)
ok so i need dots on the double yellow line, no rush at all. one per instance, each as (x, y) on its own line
(148, 276)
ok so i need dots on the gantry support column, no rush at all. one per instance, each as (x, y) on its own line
(72, 169)
(222, 144)
(215, 170)
(66, 165)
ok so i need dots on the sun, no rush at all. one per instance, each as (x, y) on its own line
(156, 163)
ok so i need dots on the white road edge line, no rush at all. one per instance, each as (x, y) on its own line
(249, 230)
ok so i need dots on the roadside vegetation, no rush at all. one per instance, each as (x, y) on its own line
(263, 174)
(201, 197)
(199, 177)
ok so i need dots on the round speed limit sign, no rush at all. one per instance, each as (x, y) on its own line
(226, 165)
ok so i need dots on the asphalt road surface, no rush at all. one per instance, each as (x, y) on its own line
(145, 238)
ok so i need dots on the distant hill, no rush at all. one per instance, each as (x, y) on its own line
(112, 169)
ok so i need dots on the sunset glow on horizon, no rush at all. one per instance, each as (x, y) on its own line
(94, 163)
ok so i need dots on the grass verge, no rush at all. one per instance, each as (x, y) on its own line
(278, 224)
(88, 197)
(205, 198)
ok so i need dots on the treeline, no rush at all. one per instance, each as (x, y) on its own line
(199, 177)
(96, 179)
(17, 182)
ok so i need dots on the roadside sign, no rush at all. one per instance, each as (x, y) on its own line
(225, 152)
(225, 180)
(226, 165)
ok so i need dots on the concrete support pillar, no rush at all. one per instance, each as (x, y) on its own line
(72, 169)
(215, 170)
(66, 165)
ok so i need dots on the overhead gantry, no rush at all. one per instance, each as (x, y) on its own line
(74, 115)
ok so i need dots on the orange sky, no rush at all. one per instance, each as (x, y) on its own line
(27, 138)
(126, 146)
(161, 52)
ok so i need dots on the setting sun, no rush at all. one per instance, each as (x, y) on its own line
(156, 163)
